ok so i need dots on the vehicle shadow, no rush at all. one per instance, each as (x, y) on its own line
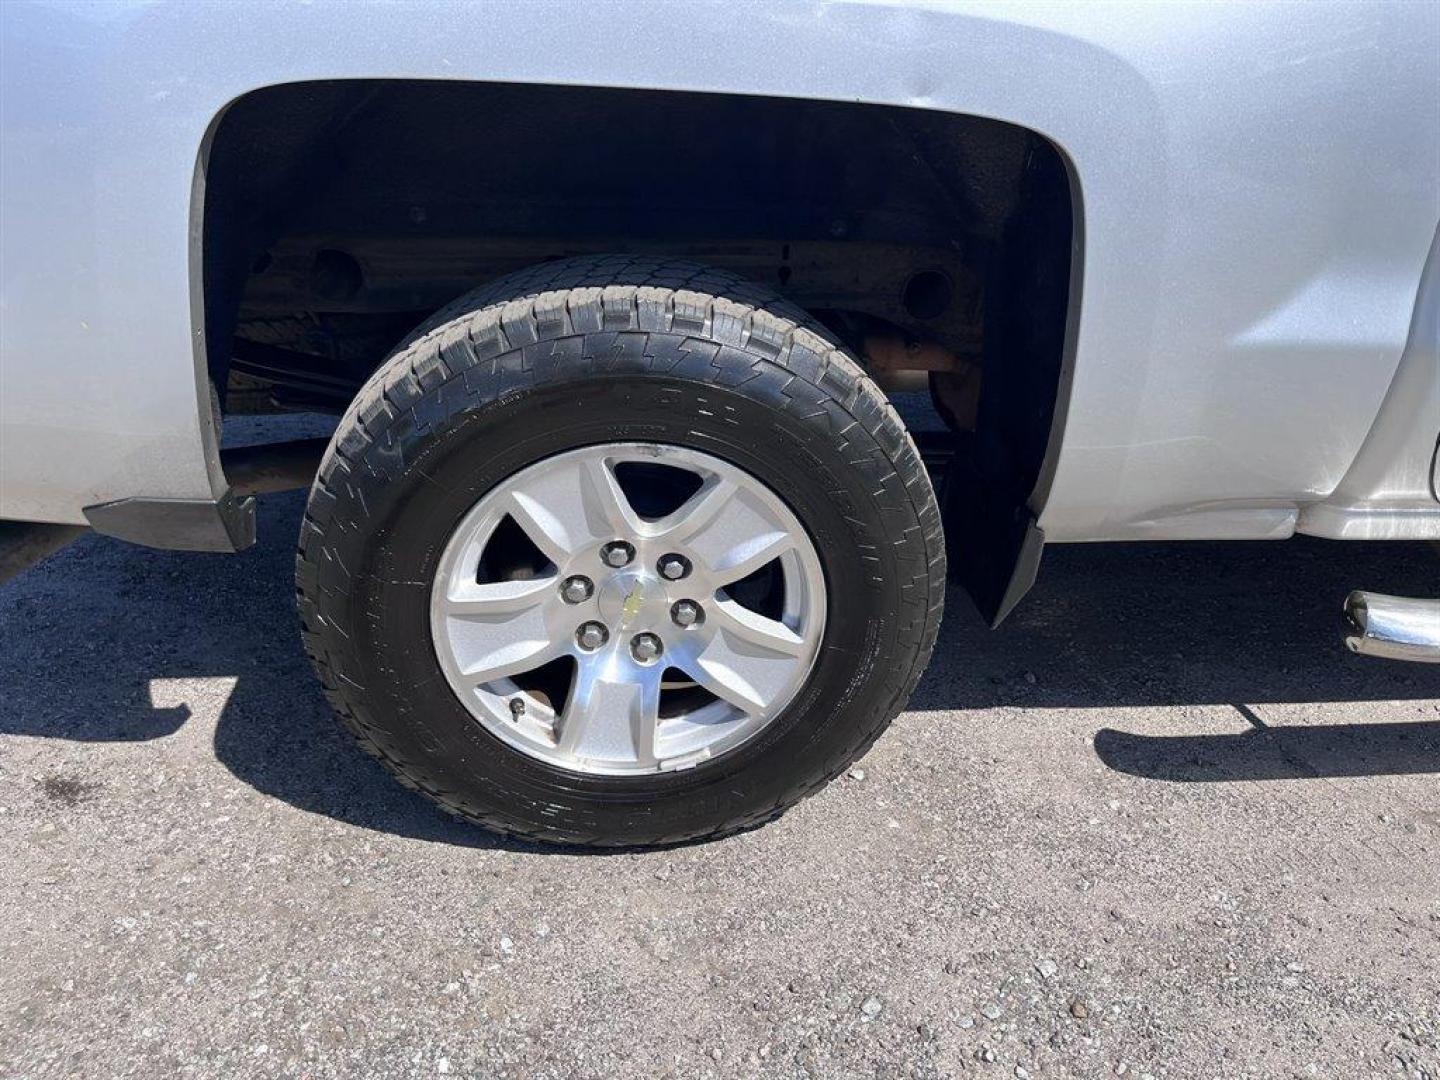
(88, 638)
(1237, 624)
(1267, 753)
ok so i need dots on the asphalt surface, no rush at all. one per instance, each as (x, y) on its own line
(1160, 824)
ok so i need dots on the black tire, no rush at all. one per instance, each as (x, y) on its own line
(592, 350)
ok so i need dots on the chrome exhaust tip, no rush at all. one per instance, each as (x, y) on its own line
(1395, 627)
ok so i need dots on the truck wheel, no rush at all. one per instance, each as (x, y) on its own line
(620, 552)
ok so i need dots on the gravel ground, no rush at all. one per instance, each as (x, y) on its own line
(1158, 825)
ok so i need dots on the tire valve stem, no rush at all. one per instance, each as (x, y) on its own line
(517, 707)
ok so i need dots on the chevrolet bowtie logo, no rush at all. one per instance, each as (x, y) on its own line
(631, 607)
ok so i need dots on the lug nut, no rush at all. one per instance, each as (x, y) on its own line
(646, 647)
(576, 589)
(685, 612)
(673, 567)
(617, 554)
(591, 635)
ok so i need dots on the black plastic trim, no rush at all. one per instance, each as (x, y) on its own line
(1027, 569)
(223, 524)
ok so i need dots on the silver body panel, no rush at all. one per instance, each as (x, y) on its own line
(1259, 188)
(1392, 489)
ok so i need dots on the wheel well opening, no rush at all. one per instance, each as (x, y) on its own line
(939, 246)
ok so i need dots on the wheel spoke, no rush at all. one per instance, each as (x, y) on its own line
(572, 505)
(731, 532)
(498, 599)
(499, 629)
(611, 716)
(748, 660)
(768, 635)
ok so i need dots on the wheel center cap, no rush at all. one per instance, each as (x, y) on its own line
(624, 598)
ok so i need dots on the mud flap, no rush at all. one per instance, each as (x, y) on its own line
(994, 544)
